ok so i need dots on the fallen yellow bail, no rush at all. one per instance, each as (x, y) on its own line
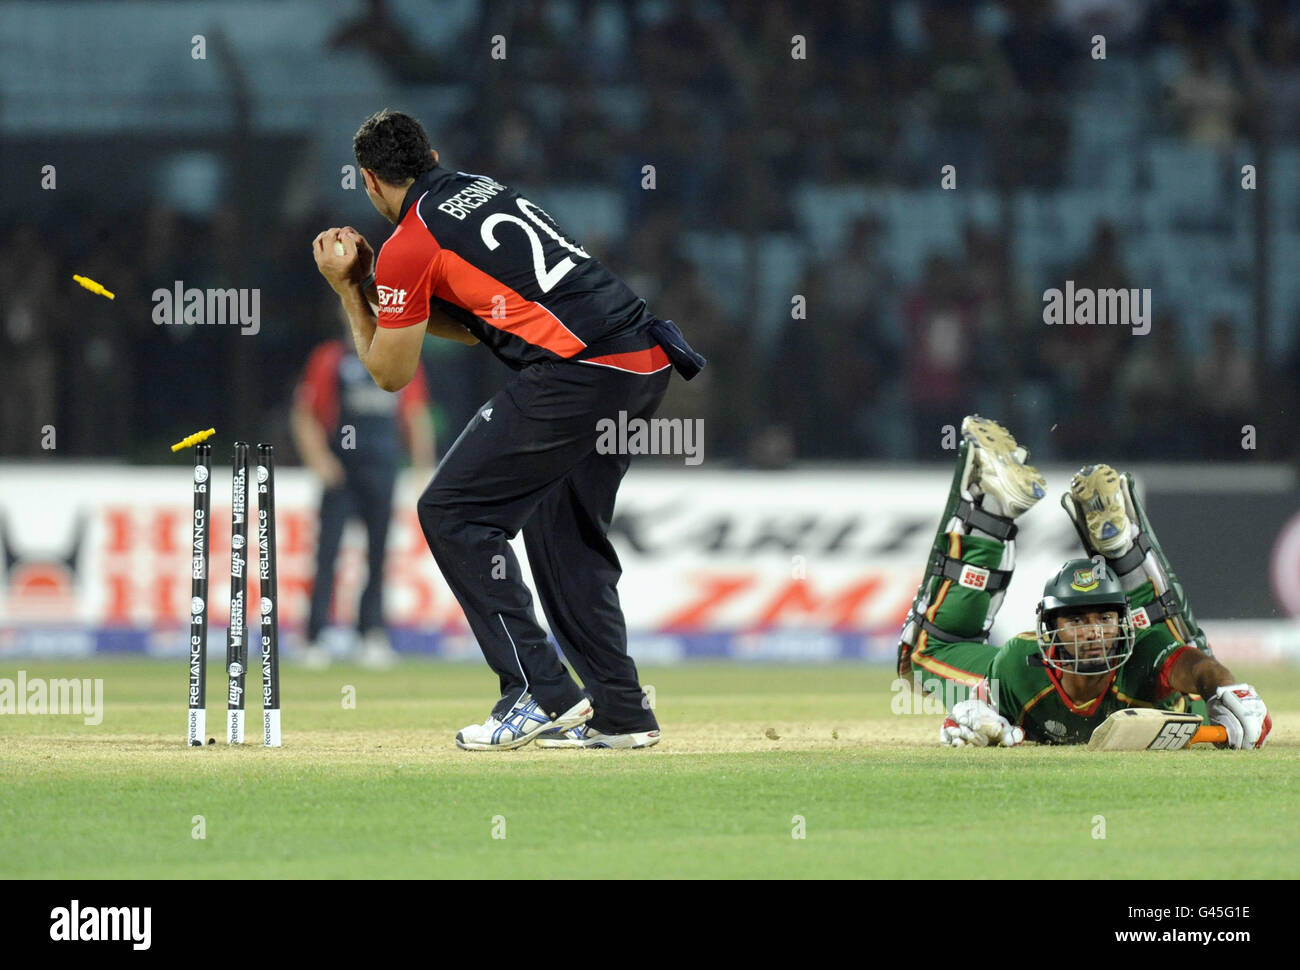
(91, 285)
(194, 439)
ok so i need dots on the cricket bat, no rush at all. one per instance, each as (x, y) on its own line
(1147, 729)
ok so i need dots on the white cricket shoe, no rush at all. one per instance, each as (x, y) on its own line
(998, 470)
(1098, 493)
(377, 651)
(521, 724)
(583, 736)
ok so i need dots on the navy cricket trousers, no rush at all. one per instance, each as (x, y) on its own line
(367, 491)
(528, 460)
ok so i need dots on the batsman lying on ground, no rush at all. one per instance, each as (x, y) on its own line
(1114, 631)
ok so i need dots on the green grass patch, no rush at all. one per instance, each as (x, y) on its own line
(752, 756)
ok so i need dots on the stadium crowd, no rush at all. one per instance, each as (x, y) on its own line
(885, 355)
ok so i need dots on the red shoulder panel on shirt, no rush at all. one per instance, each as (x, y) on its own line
(407, 271)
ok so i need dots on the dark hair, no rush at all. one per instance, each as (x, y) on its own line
(394, 146)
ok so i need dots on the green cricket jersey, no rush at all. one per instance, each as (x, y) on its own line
(1013, 676)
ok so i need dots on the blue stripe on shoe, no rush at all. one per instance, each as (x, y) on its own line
(524, 715)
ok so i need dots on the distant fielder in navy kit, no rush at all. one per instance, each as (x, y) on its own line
(473, 261)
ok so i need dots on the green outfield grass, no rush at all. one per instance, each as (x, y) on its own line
(381, 791)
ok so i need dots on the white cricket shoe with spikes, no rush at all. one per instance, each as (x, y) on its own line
(998, 471)
(523, 722)
(1099, 494)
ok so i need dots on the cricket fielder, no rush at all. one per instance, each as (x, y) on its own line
(1113, 631)
(474, 261)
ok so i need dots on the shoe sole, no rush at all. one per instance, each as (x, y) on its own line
(1096, 491)
(998, 457)
(646, 739)
(579, 713)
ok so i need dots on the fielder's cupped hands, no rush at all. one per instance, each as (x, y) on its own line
(341, 269)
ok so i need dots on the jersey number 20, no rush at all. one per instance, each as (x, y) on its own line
(546, 278)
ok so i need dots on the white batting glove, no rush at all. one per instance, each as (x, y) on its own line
(1241, 711)
(975, 723)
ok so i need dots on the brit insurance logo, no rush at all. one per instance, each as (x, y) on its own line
(391, 299)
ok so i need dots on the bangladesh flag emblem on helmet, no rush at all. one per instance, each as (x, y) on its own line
(1085, 580)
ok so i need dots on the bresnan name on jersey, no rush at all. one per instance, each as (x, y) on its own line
(468, 199)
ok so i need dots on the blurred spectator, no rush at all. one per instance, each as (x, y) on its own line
(1040, 55)
(994, 282)
(941, 330)
(1155, 386)
(1226, 390)
(791, 397)
(1193, 21)
(584, 135)
(1086, 359)
(29, 380)
(1204, 100)
(855, 281)
(670, 140)
(377, 32)
(683, 45)
(518, 152)
(1279, 42)
(851, 296)
(966, 84)
(715, 395)
(1117, 20)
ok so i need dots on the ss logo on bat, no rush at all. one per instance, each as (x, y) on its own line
(1173, 735)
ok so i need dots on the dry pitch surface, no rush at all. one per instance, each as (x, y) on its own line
(763, 772)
